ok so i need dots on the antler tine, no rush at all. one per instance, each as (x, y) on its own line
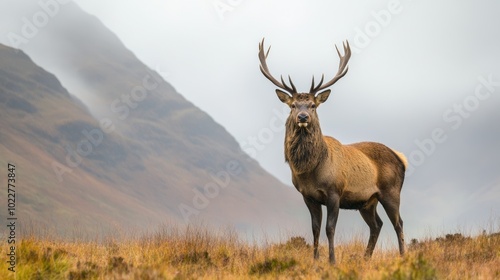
(265, 70)
(315, 88)
(347, 55)
(312, 85)
(343, 68)
(291, 83)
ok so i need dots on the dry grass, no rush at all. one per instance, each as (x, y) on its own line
(193, 253)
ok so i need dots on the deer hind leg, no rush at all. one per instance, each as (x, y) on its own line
(373, 220)
(316, 214)
(391, 206)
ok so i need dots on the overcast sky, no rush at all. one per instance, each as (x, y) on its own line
(411, 61)
(415, 69)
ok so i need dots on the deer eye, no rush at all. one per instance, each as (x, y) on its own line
(293, 106)
(313, 106)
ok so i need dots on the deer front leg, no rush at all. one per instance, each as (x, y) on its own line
(316, 214)
(332, 207)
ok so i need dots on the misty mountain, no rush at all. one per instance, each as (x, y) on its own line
(158, 147)
(139, 155)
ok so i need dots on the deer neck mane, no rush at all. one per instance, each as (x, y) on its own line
(305, 147)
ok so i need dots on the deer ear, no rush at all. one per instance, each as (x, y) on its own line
(284, 97)
(323, 96)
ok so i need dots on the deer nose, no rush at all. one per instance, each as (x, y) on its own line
(303, 117)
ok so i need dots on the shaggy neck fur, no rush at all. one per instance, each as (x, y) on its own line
(304, 147)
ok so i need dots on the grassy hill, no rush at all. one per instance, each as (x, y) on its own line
(202, 253)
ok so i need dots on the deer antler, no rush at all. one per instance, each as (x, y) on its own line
(340, 73)
(265, 71)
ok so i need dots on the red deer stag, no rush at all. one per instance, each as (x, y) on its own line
(326, 172)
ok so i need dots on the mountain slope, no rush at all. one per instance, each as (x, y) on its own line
(40, 122)
(138, 155)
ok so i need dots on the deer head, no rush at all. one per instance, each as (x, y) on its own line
(303, 105)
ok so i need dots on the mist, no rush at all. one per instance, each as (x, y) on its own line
(424, 79)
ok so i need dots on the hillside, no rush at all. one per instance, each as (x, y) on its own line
(40, 123)
(139, 155)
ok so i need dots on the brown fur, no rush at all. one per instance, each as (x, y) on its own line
(303, 147)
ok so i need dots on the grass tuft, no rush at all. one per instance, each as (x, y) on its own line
(413, 268)
(273, 265)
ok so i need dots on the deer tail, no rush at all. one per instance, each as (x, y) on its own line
(402, 157)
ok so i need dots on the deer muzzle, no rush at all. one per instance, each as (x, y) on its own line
(302, 119)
